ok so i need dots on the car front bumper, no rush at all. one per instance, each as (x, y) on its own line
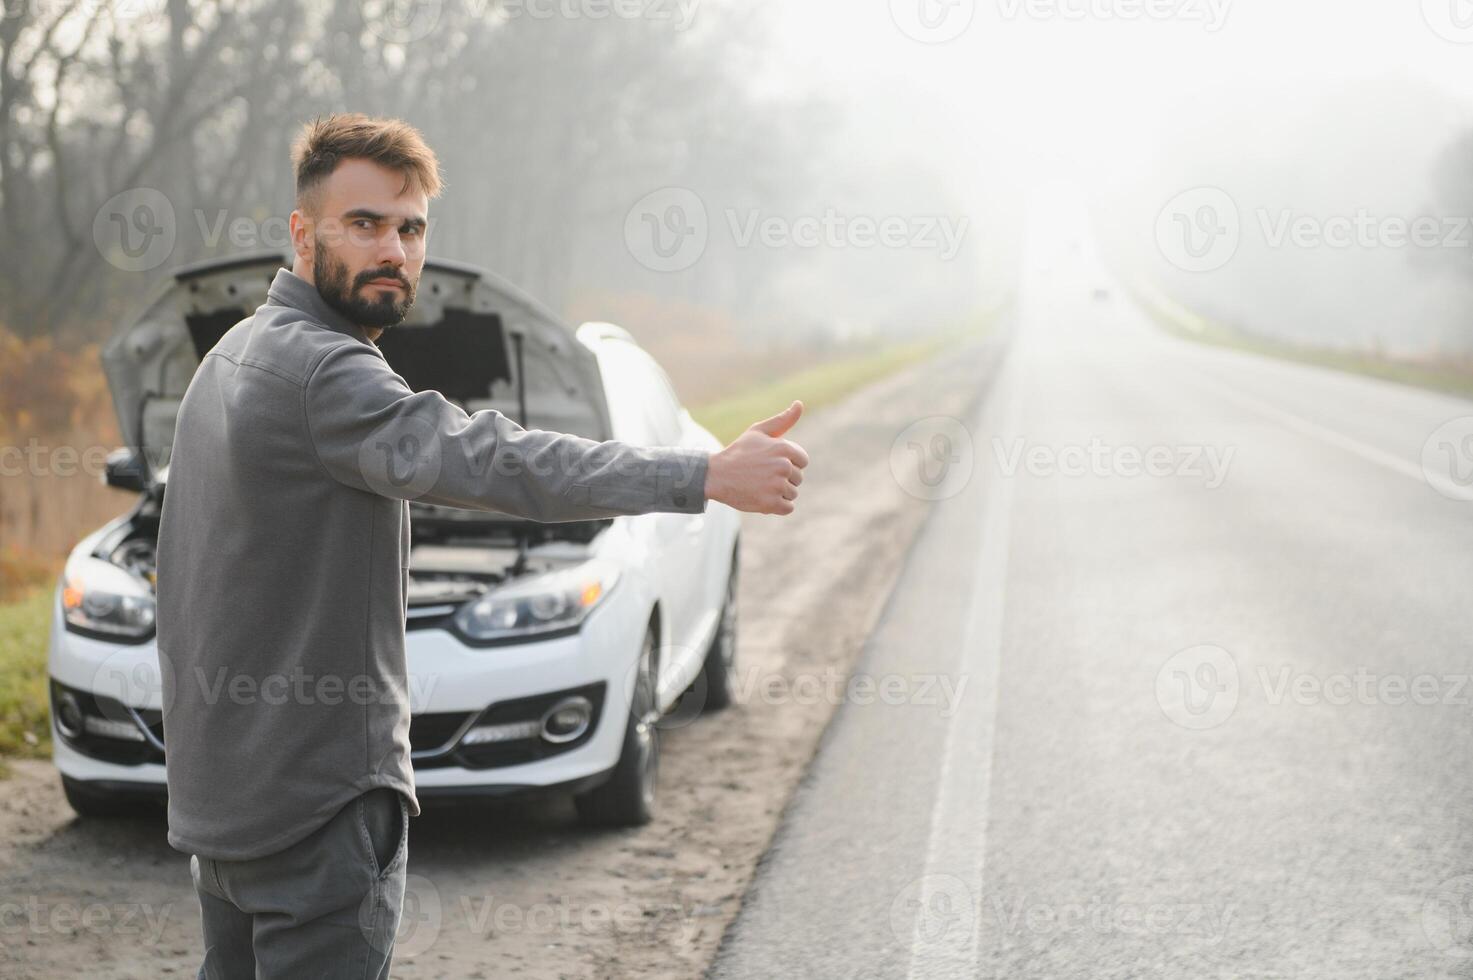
(454, 689)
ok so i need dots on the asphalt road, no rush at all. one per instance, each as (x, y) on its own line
(1205, 620)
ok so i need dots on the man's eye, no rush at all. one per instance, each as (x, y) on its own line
(413, 231)
(363, 223)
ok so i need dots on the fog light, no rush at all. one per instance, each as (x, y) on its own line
(68, 714)
(567, 720)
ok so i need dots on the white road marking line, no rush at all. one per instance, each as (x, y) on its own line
(956, 845)
(1304, 426)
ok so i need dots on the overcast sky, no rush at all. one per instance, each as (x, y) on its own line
(1075, 68)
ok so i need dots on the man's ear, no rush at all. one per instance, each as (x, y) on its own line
(301, 236)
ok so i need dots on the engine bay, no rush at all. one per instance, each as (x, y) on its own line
(455, 555)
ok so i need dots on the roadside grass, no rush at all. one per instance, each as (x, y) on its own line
(25, 714)
(1453, 379)
(824, 384)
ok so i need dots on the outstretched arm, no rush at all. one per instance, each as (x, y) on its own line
(372, 432)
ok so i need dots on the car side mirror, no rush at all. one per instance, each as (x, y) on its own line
(126, 469)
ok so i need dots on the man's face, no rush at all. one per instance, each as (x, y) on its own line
(367, 242)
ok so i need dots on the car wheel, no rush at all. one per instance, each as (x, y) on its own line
(627, 797)
(718, 674)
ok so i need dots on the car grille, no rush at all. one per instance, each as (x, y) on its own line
(123, 752)
(494, 755)
(429, 734)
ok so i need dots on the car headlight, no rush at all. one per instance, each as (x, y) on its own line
(542, 603)
(100, 597)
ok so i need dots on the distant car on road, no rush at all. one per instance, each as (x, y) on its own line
(540, 656)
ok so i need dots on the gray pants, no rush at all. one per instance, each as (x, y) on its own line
(328, 906)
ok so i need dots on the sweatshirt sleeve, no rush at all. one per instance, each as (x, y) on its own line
(372, 432)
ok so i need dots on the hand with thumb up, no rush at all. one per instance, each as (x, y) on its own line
(760, 471)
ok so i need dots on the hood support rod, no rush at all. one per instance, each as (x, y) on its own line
(524, 534)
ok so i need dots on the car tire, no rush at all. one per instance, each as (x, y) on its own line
(627, 797)
(718, 673)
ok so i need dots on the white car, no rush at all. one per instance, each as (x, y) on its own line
(541, 656)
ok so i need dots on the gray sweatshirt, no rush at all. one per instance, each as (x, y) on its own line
(283, 562)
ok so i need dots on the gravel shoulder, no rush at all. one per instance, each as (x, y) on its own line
(518, 889)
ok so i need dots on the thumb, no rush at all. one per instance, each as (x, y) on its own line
(781, 422)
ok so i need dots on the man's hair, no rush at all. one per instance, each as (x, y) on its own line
(393, 143)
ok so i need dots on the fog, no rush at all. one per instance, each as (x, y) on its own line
(1331, 132)
(774, 171)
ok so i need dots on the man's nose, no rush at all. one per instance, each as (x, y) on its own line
(391, 248)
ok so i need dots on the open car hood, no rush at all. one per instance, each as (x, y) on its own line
(456, 340)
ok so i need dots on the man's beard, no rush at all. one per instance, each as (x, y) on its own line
(333, 285)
